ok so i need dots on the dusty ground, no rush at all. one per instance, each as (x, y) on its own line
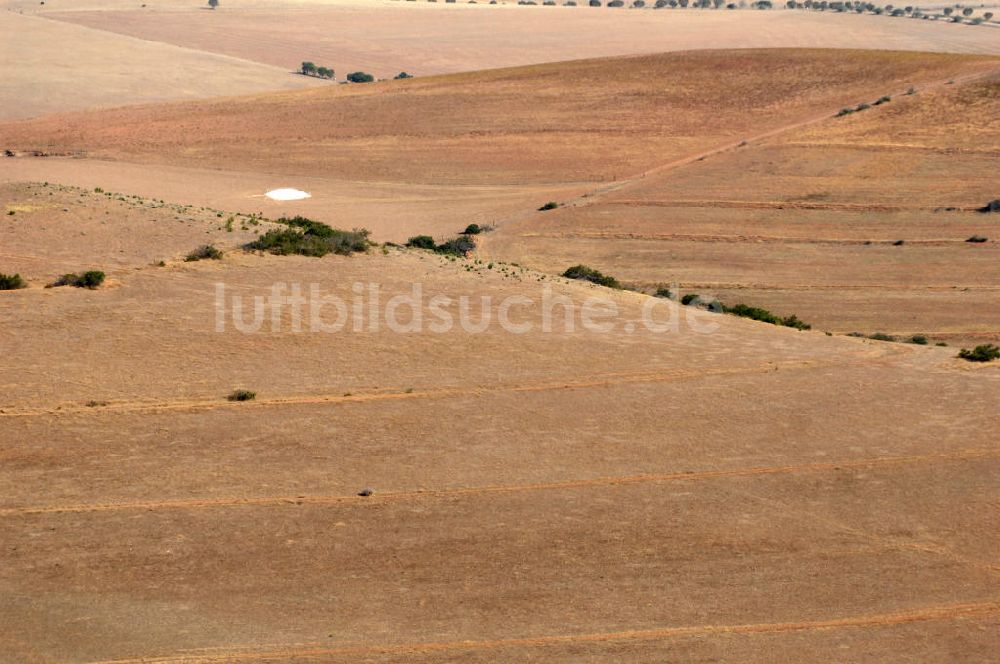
(723, 490)
(795, 221)
(386, 37)
(806, 222)
(744, 494)
(48, 66)
(585, 121)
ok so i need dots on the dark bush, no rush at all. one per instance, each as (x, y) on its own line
(918, 339)
(977, 239)
(306, 237)
(985, 353)
(207, 252)
(754, 313)
(992, 206)
(595, 3)
(422, 242)
(793, 321)
(584, 273)
(242, 395)
(664, 293)
(882, 336)
(472, 229)
(898, 243)
(765, 316)
(401, 75)
(690, 298)
(360, 77)
(11, 282)
(881, 100)
(551, 205)
(90, 279)
(459, 246)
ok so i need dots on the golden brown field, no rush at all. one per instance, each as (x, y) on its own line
(385, 37)
(807, 222)
(736, 501)
(49, 66)
(668, 484)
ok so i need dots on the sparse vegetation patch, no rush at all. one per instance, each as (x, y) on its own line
(206, 252)
(984, 353)
(584, 273)
(91, 279)
(306, 237)
(11, 282)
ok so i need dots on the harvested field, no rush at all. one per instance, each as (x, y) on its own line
(513, 513)
(52, 66)
(855, 224)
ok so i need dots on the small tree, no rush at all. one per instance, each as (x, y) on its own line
(360, 77)
(967, 11)
(401, 75)
(987, 16)
(212, 4)
(309, 68)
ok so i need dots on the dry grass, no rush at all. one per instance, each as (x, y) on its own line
(595, 120)
(422, 38)
(549, 466)
(51, 66)
(804, 222)
(746, 492)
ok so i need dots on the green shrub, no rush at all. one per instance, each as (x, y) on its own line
(765, 316)
(551, 205)
(898, 243)
(881, 100)
(11, 282)
(985, 353)
(844, 111)
(207, 252)
(422, 242)
(584, 273)
(306, 237)
(918, 339)
(472, 229)
(664, 292)
(690, 298)
(881, 336)
(242, 395)
(793, 321)
(360, 77)
(90, 279)
(754, 313)
(977, 239)
(402, 75)
(459, 246)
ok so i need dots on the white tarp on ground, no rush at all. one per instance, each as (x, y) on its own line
(287, 195)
